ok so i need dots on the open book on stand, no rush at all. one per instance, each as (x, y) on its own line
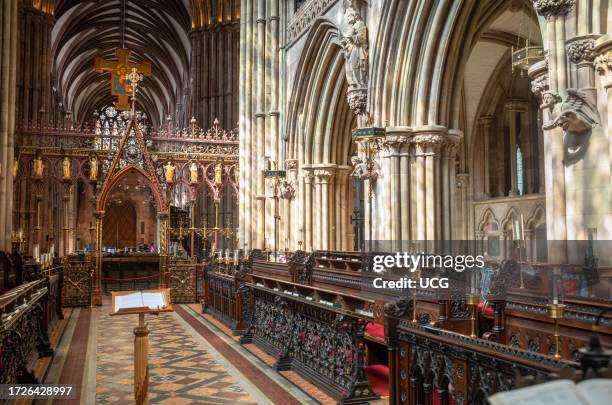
(141, 301)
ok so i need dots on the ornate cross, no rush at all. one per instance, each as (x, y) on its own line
(121, 86)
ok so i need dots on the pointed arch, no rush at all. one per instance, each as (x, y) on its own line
(147, 169)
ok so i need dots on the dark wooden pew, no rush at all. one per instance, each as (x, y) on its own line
(28, 314)
(321, 340)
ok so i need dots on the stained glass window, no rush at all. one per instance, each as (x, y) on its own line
(109, 128)
(519, 170)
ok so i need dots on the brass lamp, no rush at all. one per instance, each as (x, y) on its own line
(555, 307)
(472, 299)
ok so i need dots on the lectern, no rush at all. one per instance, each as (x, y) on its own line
(141, 303)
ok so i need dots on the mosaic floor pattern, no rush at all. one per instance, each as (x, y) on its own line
(181, 371)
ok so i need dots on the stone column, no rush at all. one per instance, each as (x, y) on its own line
(603, 65)
(307, 211)
(393, 145)
(344, 230)
(323, 176)
(555, 13)
(8, 78)
(486, 128)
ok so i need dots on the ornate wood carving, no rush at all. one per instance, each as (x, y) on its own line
(76, 289)
(182, 282)
(322, 344)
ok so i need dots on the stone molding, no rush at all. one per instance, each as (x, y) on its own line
(305, 16)
(553, 8)
(516, 105)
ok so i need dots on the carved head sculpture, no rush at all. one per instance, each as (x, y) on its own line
(577, 115)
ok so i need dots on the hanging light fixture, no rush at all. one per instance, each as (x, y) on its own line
(524, 57)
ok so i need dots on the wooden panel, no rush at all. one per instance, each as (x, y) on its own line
(119, 227)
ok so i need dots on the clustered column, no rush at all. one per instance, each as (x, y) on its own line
(8, 75)
(259, 116)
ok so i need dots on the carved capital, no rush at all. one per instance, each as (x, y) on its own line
(553, 8)
(582, 50)
(357, 100)
(603, 64)
(308, 176)
(291, 164)
(324, 175)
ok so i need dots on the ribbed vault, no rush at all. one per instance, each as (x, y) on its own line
(155, 30)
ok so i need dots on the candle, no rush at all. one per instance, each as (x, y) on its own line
(555, 286)
(236, 257)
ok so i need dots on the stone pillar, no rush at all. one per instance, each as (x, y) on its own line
(486, 127)
(307, 211)
(8, 78)
(344, 230)
(435, 178)
(393, 145)
(323, 177)
(603, 65)
(555, 13)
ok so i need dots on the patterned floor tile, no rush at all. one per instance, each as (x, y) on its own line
(180, 371)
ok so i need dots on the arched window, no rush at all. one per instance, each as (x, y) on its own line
(110, 125)
(519, 170)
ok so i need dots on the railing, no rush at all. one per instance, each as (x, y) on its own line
(321, 341)
(430, 365)
(28, 313)
(224, 298)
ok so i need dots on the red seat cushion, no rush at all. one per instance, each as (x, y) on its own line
(376, 330)
(378, 377)
(488, 311)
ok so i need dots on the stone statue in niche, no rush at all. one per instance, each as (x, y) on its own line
(93, 168)
(577, 114)
(38, 166)
(66, 167)
(218, 173)
(355, 47)
(169, 169)
(193, 172)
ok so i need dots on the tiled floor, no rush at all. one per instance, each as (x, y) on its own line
(190, 362)
(181, 371)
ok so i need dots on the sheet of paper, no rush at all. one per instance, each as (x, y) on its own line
(133, 300)
(598, 391)
(561, 392)
(153, 300)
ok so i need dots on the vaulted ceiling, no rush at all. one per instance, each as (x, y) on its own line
(154, 30)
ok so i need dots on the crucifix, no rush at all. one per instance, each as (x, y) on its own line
(121, 86)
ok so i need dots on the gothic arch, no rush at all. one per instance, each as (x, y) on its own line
(319, 114)
(430, 66)
(111, 183)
